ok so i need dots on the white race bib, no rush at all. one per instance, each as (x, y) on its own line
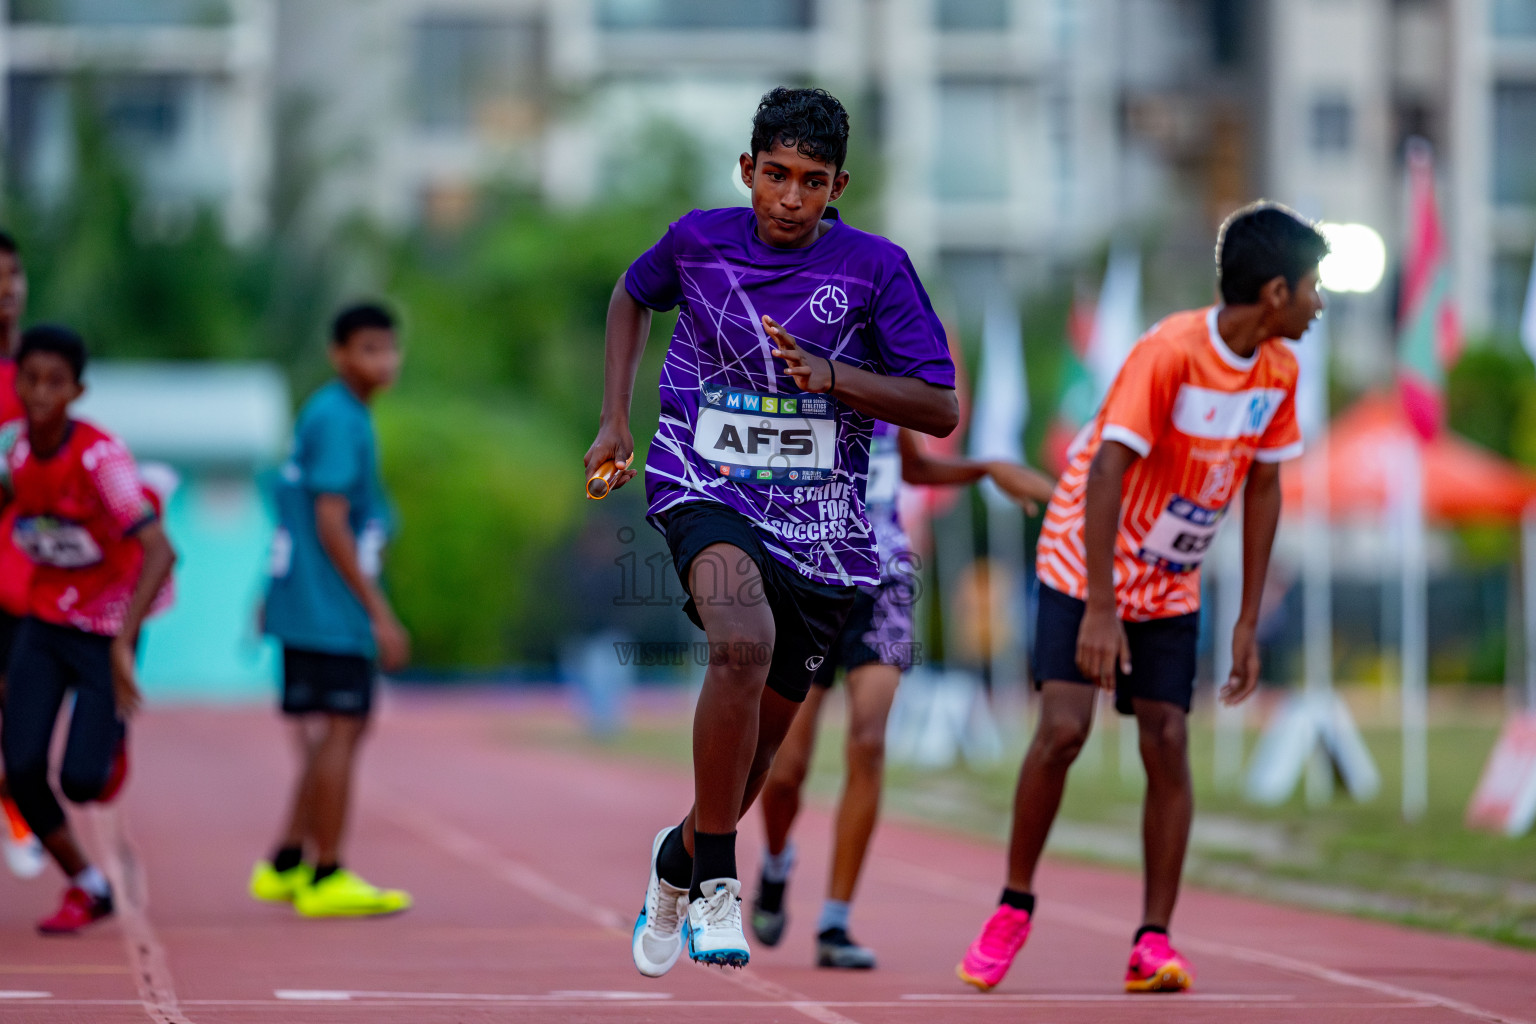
(1181, 536)
(370, 549)
(884, 474)
(767, 439)
(54, 542)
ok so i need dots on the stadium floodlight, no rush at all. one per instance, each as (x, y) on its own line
(1358, 259)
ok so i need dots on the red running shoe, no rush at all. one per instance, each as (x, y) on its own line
(79, 909)
(117, 776)
(1157, 967)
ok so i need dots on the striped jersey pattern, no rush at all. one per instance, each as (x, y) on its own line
(1199, 416)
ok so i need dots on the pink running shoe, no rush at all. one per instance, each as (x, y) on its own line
(992, 953)
(1157, 967)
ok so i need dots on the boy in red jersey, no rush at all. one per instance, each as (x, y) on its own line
(1205, 401)
(101, 562)
(23, 853)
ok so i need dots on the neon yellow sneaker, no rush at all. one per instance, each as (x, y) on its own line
(273, 886)
(343, 894)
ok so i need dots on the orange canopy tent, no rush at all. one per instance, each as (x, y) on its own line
(1463, 482)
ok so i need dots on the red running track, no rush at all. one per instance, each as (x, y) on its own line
(527, 864)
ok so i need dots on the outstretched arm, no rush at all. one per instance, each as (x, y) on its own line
(1261, 517)
(904, 401)
(629, 324)
(1026, 487)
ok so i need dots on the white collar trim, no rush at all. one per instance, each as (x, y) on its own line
(1229, 357)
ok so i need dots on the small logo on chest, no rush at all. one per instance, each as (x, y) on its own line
(829, 304)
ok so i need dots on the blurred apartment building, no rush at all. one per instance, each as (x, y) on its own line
(1010, 136)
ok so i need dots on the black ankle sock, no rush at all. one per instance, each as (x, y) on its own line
(1018, 900)
(770, 896)
(325, 871)
(1148, 929)
(288, 857)
(673, 865)
(714, 856)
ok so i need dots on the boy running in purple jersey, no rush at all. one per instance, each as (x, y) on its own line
(876, 646)
(756, 476)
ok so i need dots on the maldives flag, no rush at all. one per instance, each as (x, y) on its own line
(1101, 337)
(1429, 331)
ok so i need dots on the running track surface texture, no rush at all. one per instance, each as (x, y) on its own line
(528, 862)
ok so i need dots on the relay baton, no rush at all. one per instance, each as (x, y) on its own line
(601, 482)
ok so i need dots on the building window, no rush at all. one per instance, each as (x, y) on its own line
(971, 159)
(120, 12)
(1514, 144)
(705, 14)
(476, 75)
(1333, 126)
(1514, 17)
(971, 15)
(165, 127)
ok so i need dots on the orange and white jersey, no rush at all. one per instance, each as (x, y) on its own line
(1199, 416)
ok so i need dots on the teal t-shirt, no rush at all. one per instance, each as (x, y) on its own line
(309, 606)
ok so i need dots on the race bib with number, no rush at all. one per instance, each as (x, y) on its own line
(1181, 536)
(884, 472)
(766, 439)
(54, 542)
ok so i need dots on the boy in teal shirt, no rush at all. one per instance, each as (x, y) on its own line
(325, 606)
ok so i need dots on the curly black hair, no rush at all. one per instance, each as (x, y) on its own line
(810, 120)
(1261, 242)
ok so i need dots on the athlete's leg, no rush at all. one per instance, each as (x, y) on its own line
(776, 715)
(871, 691)
(306, 731)
(1066, 715)
(38, 683)
(1170, 804)
(740, 633)
(330, 783)
(786, 776)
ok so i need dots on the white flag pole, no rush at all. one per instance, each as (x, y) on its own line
(1317, 564)
(1415, 650)
(998, 433)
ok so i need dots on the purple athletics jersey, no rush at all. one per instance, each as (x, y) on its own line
(734, 426)
(880, 500)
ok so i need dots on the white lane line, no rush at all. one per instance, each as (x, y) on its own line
(329, 995)
(951, 886)
(521, 876)
(146, 956)
(18, 994)
(975, 1003)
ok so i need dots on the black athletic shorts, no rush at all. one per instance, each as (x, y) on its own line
(336, 684)
(1163, 652)
(807, 616)
(878, 632)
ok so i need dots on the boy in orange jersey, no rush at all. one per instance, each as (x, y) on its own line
(1204, 406)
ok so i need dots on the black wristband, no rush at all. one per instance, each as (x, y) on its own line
(832, 366)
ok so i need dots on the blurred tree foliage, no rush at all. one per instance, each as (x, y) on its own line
(1491, 399)
(503, 329)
